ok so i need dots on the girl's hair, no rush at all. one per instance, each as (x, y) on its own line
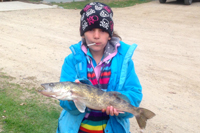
(116, 35)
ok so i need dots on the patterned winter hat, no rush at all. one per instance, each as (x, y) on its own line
(96, 15)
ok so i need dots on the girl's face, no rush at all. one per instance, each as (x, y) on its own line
(97, 36)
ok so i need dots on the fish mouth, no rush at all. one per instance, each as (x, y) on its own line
(43, 85)
(47, 91)
(47, 87)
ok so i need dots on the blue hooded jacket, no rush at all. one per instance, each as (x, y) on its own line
(123, 79)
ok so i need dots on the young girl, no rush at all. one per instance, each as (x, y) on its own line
(106, 63)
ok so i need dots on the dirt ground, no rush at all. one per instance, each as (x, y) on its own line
(34, 43)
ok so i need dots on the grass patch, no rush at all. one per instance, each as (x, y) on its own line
(23, 110)
(81, 4)
(111, 3)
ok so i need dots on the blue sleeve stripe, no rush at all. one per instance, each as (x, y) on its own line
(123, 74)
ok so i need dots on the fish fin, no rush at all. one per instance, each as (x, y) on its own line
(143, 116)
(80, 105)
(119, 95)
(85, 81)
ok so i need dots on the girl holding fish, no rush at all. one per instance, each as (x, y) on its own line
(105, 61)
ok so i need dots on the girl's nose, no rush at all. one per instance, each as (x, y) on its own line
(96, 33)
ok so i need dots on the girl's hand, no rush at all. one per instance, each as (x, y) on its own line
(111, 111)
(77, 81)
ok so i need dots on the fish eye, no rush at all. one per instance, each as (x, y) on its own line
(51, 84)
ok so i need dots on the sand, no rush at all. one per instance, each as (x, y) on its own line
(34, 43)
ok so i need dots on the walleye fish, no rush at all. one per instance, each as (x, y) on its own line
(89, 96)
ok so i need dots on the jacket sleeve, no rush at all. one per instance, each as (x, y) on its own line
(132, 89)
(68, 73)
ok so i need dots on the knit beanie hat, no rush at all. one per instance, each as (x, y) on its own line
(96, 15)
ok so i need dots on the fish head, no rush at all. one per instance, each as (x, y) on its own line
(58, 90)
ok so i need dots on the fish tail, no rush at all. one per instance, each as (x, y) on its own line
(142, 116)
